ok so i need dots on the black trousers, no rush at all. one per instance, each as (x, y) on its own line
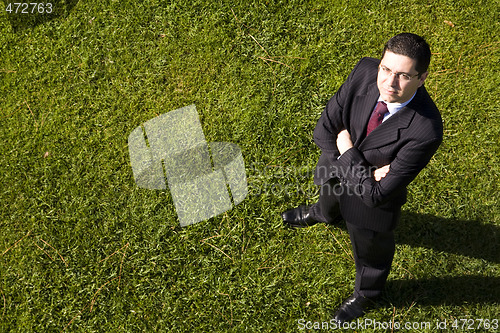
(373, 251)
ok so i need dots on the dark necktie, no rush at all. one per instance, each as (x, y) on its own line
(377, 116)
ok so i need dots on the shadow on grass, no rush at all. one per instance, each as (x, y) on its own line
(27, 15)
(468, 238)
(450, 290)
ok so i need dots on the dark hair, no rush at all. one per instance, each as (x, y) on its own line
(412, 46)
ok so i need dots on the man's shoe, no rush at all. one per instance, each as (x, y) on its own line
(352, 308)
(298, 217)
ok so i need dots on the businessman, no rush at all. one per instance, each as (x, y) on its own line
(376, 134)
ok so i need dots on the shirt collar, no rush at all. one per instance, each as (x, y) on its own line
(395, 107)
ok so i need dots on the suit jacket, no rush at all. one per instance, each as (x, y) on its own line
(406, 141)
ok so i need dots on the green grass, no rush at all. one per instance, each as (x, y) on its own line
(82, 249)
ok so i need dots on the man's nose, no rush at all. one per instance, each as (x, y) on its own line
(393, 80)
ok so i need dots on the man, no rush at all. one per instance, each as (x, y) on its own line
(376, 134)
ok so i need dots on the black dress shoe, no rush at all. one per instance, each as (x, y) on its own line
(298, 217)
(352, 308)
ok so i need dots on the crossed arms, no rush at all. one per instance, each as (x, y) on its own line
(386, 183)
(344, 143)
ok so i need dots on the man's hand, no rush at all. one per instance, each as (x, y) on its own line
(344, 141)
(381, 172)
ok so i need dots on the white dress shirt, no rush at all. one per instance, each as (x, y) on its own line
(394, 107)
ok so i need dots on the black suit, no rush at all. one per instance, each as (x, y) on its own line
(406, 141)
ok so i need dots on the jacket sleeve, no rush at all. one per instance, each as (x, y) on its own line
(330, 123)
(356, 173)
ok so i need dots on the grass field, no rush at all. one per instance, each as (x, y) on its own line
(83, 249)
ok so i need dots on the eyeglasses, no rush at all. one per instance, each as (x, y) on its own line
(401, 76)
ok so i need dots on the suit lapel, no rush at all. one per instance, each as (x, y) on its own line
(388, 131)
(363, 105)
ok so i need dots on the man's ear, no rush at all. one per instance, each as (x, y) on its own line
(422, 78)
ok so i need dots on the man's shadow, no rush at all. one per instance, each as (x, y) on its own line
(26, 15)
(468, 238)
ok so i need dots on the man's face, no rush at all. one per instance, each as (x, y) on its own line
(391, 82)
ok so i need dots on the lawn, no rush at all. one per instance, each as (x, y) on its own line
(83, 249)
